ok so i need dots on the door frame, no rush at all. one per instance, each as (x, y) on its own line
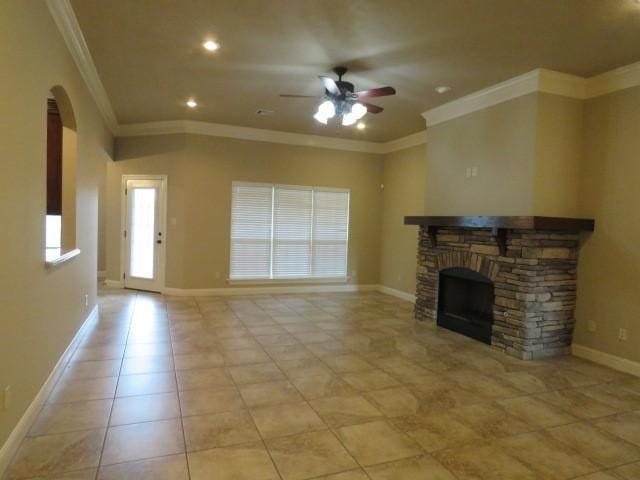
(162, 219)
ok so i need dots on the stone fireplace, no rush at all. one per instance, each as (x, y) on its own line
(507, 281)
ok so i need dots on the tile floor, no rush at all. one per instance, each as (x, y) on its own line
(322, 386)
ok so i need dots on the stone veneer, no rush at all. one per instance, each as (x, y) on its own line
(534, 284)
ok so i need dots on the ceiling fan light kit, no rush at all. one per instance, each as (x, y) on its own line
(340, 100)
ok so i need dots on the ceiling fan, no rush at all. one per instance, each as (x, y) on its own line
(340, 99)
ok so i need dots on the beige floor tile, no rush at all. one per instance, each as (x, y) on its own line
(597, 445)
(630, 471)
(309, 455)
(350, 475)
(614, 395)
(347, 363)
(269, 393)
(326, 385)
(286, 419)
(136, 365)
(602, 475)
(199, 360)
(245, 356)
(141, 441)
(536, 412)
(549, 458)
(91, 369)
(172, 467)
(484, 385)
(395, 401)
(370, 380)
(377, 442)
(50, 454)
(146, 384)
(203, 432)
(148, 350)
(577, 403)
(88, 389)
(203, 378)
(345, 410)
(102, 352)
(437, 431)
(419, 468)
(256, 373)
(289, 352)
(623, 425)
(69, 417)
(303, 367)
(482, 461)
(247, 462)
(145, 408)
(489, 421)
(211, 400)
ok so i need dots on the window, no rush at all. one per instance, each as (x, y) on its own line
(288, 232)
(60, 217)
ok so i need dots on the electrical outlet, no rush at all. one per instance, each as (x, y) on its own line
(622, 334)
(86, 300)
(474, 171)
(6, 398)
(592, 325)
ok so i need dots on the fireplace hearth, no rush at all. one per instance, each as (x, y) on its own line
(465, 303)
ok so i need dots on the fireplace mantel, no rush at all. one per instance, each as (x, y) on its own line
(517, 222)
(500, 225)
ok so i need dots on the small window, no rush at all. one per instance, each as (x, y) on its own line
(60, 218)
(288, 232)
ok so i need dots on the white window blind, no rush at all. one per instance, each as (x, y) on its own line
(288, 232)
(251, 236)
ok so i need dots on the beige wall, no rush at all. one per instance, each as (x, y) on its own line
(557, 156)
(200, 170)
(500, 142)
(609, 268)
(40, 309)
(404, 178)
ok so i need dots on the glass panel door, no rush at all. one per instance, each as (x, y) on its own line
(143, 234)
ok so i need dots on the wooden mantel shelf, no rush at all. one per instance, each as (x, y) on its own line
(500, 225)
(525, 223)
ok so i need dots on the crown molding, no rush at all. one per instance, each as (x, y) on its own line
(614, 80)
(263, 135)
(67, 23)
(539, 80)
(418, 138)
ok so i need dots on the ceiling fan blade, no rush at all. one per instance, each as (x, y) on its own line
(286, 95)
(330, 85)
(376, 92)
(371, 108)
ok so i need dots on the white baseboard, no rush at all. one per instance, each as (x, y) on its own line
(606, 359)
(20, 431)
(114, 283)
(266, 290)
(397, 293)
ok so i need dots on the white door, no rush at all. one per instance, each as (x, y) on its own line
(144, 232)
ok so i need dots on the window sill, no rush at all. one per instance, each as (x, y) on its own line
(285, 281)
(65, 257)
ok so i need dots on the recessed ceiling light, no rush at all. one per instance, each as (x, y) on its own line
(361, 126)
(442, 89)
(210, 45)
(191, 103)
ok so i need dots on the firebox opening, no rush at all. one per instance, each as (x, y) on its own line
(465, 303)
